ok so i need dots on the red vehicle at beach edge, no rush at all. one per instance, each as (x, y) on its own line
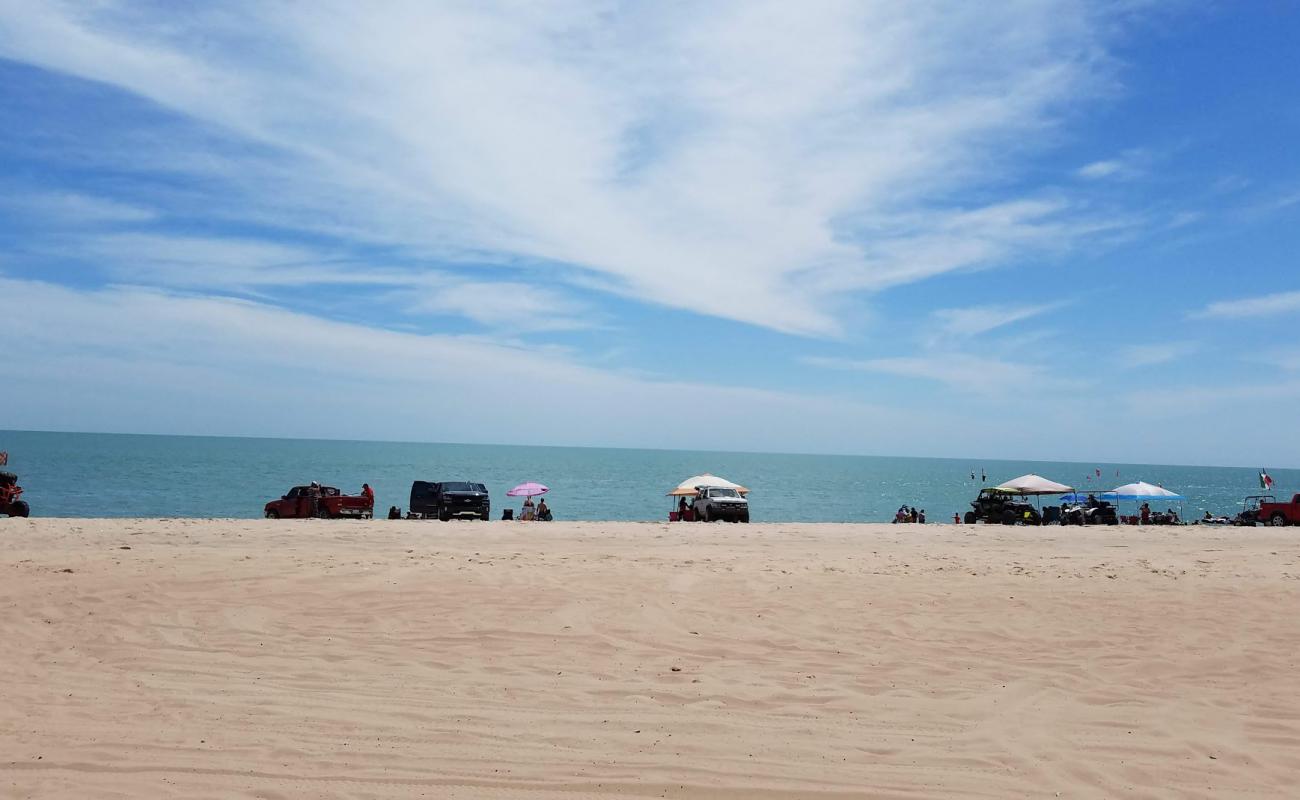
(332, 504)
(1279, 514)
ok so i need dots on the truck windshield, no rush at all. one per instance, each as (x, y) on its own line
(459, 487)
(723, 493)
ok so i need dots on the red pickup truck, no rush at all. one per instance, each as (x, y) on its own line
(333, 505)
(1280, 514)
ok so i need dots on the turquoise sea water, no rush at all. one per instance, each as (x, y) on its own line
(111, 475)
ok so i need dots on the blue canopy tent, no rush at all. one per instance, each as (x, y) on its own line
(1135, 492)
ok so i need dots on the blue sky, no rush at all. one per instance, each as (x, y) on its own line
(1049, 229)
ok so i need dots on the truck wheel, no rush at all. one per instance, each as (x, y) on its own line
(484, 516)
(20, 509)
(744, 517)
(1008, 518)
(273, 514)
(1277, 520)
(969, 519)
(444, 515)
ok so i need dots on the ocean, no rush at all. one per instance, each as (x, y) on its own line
(118, 475)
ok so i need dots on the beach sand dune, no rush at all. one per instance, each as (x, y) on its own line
(260, 659)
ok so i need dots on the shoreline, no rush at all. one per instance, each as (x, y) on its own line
(199, 658)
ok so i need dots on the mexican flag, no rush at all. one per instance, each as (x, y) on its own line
(1265, 480)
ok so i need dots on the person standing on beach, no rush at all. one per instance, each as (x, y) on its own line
(681, 509)
(368, 493)
(313, 500)
(921, 517)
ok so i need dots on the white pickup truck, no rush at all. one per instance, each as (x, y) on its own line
(713, 503)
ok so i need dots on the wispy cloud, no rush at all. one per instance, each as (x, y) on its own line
(767, 155)
(1129, 164)
(965, 322)
(1153, 353)
(166, 362)
(1263, 306)
(968, 373)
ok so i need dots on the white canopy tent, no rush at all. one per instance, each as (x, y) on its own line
(1032, 485)
(687, 487)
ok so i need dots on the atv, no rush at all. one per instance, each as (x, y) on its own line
(1000, 506)
(1097, 513)
(10, 491)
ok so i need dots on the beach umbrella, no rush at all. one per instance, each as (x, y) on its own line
(1034, 484)
(1144, 491)
(687, 487)
(530, 489)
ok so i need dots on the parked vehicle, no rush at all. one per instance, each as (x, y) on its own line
(714, 503)
(10, 492)
(1249, 514)
(449, 499)
(1099, 512)
(1000, 506)
(1279, 514)
(333, 504)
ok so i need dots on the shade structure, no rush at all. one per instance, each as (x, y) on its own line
(1144, 491)
(687, 487)
(530, 489)
(1034, 484)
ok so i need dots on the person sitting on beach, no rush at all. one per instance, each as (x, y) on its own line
(920, 518)
(394, 512)
(528, 511)
(543, 511)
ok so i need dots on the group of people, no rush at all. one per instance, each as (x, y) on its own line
(539, 512)
(1149, 517)
(909, 514)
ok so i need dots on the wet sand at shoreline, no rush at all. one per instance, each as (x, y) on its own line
(250, 658)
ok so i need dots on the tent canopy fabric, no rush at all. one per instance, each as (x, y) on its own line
(1082, 497)
(1144, 491)
(1034, 484)
(687, 487)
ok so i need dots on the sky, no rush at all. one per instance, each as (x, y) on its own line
(1034, 229)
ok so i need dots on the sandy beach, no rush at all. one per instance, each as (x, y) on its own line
(260, 659)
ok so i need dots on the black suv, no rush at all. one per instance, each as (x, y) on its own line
(997, 505)
(449, 499)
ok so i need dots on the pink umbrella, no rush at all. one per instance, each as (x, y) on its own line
(529, 489)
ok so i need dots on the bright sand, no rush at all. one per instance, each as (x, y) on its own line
(211, 659)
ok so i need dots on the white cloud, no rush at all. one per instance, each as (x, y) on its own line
(1193, 401)
(1264, 306)
(1129, 164)
(165, 363)
(968, 373)
(264, 270)
(1152, 353)
(69, 208)
(964, 322)
(1100, 169)
(747, 160)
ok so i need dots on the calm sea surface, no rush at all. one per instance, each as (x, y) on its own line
(110, 475)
